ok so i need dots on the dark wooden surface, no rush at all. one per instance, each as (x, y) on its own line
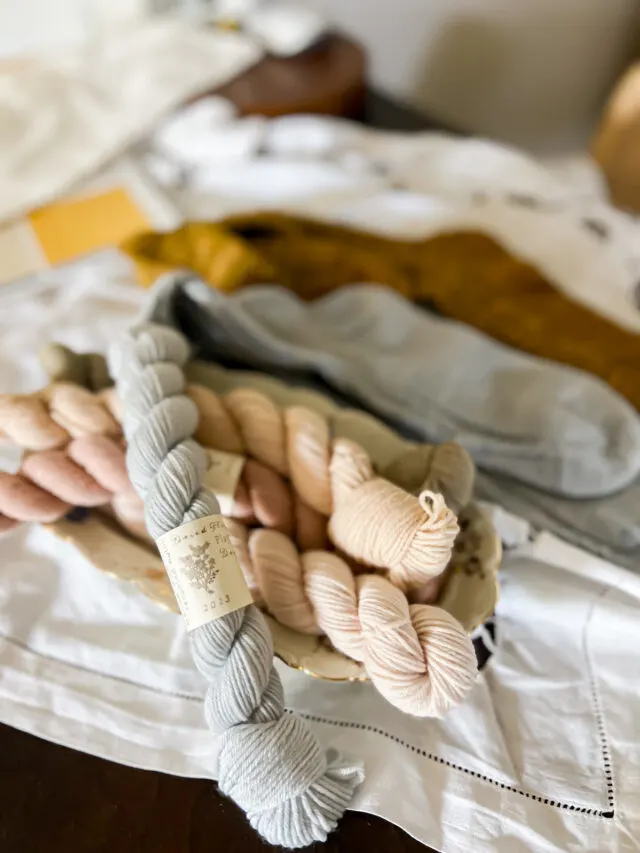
(328, 79)
(56, 800)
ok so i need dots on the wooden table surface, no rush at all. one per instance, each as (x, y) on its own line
(56, 800)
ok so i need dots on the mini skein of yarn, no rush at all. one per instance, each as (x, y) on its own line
(89, 472)
(417, 656)
(52, 417)
(269, 761)
(371, 519)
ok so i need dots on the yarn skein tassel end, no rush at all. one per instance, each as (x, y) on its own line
(270, 763)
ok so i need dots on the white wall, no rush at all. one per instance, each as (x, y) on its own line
(534, 72)
(28, 26)
(531, 71)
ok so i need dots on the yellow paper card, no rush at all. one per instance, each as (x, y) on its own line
(67, 229)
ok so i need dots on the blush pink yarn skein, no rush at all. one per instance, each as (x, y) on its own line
(417, 656)
(89, 472)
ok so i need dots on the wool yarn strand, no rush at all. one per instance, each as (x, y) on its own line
(269, 761)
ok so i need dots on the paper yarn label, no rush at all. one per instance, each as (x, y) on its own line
(223, 476)
(204, 571)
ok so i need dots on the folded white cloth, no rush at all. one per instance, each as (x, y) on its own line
(555, 217)
(65, 116)
(544, 757)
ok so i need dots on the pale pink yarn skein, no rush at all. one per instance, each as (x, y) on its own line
(371, 519)
(412, 536)
(417, 656)
(50, 418)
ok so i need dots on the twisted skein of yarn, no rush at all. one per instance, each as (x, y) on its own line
(445, 468)
(417, 656)
(50, 418)
(266, 498)
(371, 519)
(89, 472)
(269, 761)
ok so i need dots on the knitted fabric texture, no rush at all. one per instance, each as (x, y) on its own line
(570, 428)
(464, 275)
(269, 762)
(569, 434)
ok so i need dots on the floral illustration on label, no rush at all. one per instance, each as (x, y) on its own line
(204, 571)
(199, 567)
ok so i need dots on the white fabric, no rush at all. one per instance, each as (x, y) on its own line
(88, 662)
(64, 116)
(285, 29)
(207, 129)
(555, 217)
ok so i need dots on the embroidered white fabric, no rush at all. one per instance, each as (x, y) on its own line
(545, 756)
